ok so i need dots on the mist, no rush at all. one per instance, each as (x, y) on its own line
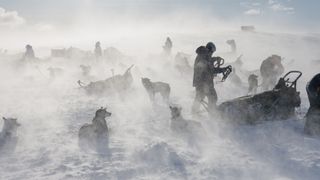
(51, 109)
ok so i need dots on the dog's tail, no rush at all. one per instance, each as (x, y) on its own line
(128, 70)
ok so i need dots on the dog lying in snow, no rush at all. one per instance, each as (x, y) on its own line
(115, 84)
(156, 87)
(181, 126)
(8, 135)
(86, 69)
(55, 71)
(96, 133)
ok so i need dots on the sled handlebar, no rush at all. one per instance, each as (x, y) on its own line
(226, 73)
(293, 83)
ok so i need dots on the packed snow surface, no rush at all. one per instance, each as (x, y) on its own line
(142, 146)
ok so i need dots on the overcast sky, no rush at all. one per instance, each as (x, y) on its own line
(297, 13)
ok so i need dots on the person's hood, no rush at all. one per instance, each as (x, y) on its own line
(202, 50)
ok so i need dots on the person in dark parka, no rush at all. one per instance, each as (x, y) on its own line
(29, 54)
(204, 72)
(168, 46)
(98, 50)
(312, 125)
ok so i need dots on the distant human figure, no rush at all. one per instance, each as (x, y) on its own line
(312, 125)
(270, 70)
(232, 44)
(98, 50)
(29, 54)
(167, 46)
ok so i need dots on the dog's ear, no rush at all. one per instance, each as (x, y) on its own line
(4, 118)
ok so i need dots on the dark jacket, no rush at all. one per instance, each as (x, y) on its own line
(98, 51)
(313, 90)
(202, 74)
(29, 53)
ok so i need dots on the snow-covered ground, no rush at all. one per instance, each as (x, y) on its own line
(141, 143)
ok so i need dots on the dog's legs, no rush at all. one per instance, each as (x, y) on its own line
(151, 96)
(166, 96)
